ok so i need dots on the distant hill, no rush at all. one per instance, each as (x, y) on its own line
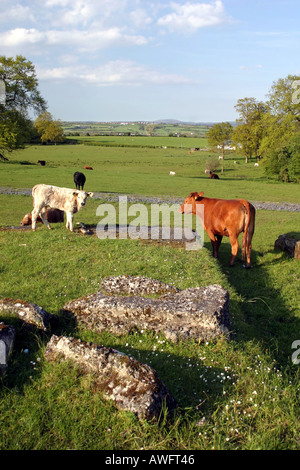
(189, 123)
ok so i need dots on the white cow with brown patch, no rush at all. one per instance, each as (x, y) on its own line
(65, 199)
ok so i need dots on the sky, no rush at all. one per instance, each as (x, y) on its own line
(145, 60)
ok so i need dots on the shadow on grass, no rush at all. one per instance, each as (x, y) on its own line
(264, 315)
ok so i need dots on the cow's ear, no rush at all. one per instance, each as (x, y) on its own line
(75, 194)
(198, 196)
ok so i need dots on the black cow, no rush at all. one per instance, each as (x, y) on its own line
(213, 176)
(79, 180)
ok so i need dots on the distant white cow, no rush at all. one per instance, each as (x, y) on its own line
(256, 164)
(65, 199)
(172, 173)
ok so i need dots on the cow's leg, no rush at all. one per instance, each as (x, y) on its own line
(218, 243)
(69, 224)
(44, 218)
(215, 243)
(234, 248)
(34, 216)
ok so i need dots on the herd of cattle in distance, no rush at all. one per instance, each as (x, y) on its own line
(219, 218)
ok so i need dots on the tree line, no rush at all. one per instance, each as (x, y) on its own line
(267, 130)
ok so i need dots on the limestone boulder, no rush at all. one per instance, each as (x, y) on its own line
(200, 313)
(289, 244)
(28, 312)
(133, 386)
(135, 285)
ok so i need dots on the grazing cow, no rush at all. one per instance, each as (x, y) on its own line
(79, 180)
(172, 173)
(222, 217)
(27, 219)
(213, 176)
(42, 162)
(65, 199)
(52, 215)
(88, 168)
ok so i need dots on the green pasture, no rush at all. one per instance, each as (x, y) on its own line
(241, 394)
(143, 171)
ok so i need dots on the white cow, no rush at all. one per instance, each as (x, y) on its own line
(65, 199)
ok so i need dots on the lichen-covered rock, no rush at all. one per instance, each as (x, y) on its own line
(136, 285)
(28, 312)
(133, 386)
(201, 313)
(289, 244)
(7, 337)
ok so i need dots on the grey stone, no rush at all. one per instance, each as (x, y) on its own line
(136, 285)
(28, 312)
(133, 386)
(289, 244)
(7, 337)
(200, 313)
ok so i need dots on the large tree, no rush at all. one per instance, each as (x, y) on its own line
(284, 97)
(19, 96)
(21, 85)
(249, 131)
(285, 161)
(219, 135)
(49, 130)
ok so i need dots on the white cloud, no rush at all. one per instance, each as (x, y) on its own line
(16, 13)
(120, 72)
(83, 40)
(250, 67)
(140, 18)
(189, 17)
(18, 36)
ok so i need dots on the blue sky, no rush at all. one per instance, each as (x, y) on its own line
(135, 60)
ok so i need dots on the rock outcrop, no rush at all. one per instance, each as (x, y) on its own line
(200, 313)
(28, 312)
(289, 244)
(133, 386)
(136, 285)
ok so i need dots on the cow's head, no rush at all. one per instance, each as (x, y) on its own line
(189, 204)
(27, 220)
(81, 197)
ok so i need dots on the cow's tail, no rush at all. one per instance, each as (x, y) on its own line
(33, 192)
(248, 231)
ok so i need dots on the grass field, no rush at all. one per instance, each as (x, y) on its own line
(242, 394)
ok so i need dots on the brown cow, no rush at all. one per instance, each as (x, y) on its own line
(52, 215)
(88, 168)
(222, 217)
(213, 176)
